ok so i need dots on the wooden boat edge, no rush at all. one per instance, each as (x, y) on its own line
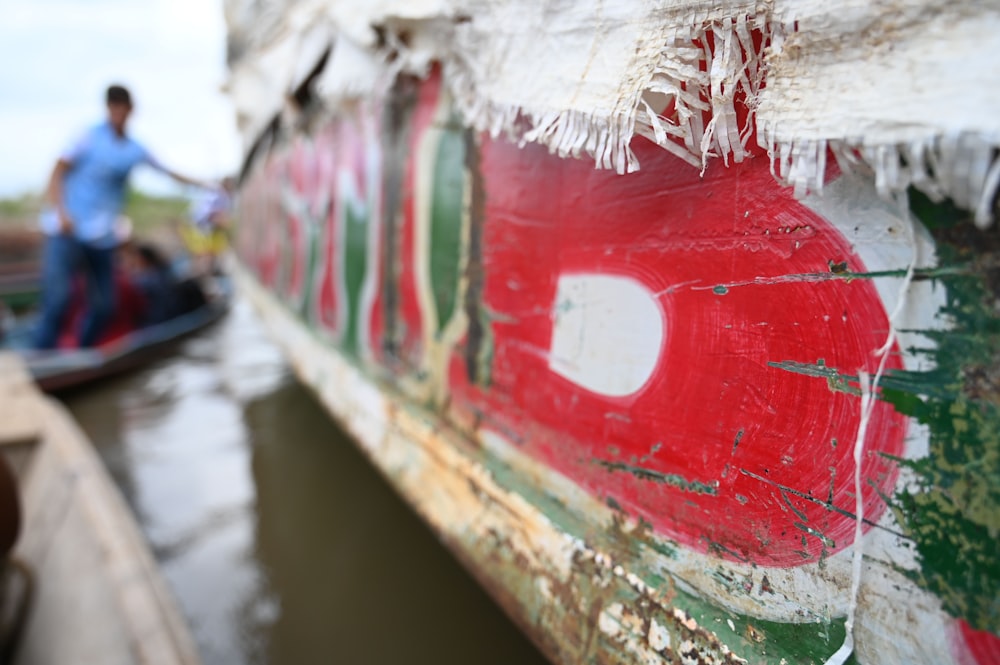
(73, 515)
(130, 352)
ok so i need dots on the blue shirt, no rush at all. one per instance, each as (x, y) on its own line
(94, 183)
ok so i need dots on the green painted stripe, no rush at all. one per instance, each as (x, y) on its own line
(312, 270)
(355, 265)
(448, 191)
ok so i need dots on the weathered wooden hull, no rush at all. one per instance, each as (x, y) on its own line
(632, 405)
(95, 593)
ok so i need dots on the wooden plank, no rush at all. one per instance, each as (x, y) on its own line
(19, 418)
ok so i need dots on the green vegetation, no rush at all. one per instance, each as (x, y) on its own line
(19, 212)
(148, 213)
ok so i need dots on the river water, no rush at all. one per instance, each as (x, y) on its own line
(280, 541)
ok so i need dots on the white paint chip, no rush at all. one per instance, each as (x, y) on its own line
(659, 638)
(610, 619)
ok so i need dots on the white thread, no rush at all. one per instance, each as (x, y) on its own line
(869, 390)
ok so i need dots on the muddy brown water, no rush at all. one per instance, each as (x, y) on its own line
(280, 541)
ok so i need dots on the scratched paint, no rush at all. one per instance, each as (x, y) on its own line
(629, 403)
(952, 511)
(713, 380)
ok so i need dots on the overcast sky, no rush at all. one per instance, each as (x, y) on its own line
(58, 56)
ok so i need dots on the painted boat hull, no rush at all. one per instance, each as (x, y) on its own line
(632, 405)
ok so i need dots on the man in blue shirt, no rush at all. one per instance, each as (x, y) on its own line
(87, 192)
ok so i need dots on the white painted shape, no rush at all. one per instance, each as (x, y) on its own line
(607, 333)
(878, 233)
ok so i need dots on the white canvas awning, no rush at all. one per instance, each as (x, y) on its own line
(904, 89)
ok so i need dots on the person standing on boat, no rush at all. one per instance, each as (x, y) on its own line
(86, 194)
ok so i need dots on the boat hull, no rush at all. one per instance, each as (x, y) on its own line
(90, 589)
(667, 415)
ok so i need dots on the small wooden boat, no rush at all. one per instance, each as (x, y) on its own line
(66, 368)
(81, 585)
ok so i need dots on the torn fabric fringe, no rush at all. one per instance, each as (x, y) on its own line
(694, 74)
(964, 168)
(901, 93)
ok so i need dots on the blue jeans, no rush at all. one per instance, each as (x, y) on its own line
(62, 257)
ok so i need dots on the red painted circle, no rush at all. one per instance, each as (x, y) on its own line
(776, 446)
(982, 647)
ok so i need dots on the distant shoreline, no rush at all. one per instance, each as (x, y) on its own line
(147, 212)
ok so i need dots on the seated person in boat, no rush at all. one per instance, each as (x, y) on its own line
(127, 316)
(149, 273)
(163, 295)
(147, 292)
(86, 194)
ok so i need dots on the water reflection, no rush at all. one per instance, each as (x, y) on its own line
(281, 542)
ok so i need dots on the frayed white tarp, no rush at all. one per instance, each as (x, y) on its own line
(910, 88)
(906, 89)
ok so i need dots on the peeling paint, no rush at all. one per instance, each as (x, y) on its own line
(706, 513)
(695, 486)
(952, 511)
